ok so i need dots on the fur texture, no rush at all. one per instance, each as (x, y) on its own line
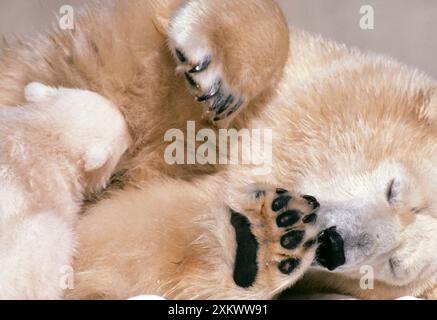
(355, 130)
(58, 147)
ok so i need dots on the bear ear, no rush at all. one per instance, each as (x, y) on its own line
(95, 158)
(37, 92)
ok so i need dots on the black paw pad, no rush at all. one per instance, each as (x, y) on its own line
(311, 218)
(288, 218)
(312, 201)
(310, 243)
(280, 203)
(292, 239)
(246, 266)
(288, 266)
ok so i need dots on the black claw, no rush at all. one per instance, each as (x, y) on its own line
(235, 108)
(191, 81)
(224, 104)
(218, 100)
(281, 191)
(292, 239)
(312, 201)
(213, 92)
(311, 218)
(181, 56)
(237, 105)
(288, 218)
(201, 67)
(280, 203)
(289, 265)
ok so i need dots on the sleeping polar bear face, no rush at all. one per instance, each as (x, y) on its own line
(377, 187)
(387, 219)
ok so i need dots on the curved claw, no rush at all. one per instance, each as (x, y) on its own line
(201, 67)
(191, 81)
(230, 112)
(181, 56)
(214, 91)
(222, 105)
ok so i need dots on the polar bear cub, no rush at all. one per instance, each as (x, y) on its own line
(60, 146)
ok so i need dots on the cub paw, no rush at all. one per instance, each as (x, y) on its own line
(229, 52)
(276, 239)
(205, 78)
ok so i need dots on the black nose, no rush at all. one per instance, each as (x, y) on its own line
(330, 253)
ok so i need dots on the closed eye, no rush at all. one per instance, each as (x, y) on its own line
(393, 191)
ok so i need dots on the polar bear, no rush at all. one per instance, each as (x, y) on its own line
(56, 149)
(354, 155)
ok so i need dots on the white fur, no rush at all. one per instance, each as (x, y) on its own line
(182, 33)
(37, 92)
(187, 34)
(373, 233)
(195, 48)
(61, 144)
(33, 250)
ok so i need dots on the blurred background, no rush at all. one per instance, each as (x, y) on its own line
(403, 29)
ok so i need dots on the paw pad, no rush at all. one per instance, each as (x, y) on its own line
(288, 266)
(290, 241)
(311, 218)
(280, 203)
(288, 218)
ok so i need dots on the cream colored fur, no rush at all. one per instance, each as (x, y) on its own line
(58, 147)
(346, 125)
